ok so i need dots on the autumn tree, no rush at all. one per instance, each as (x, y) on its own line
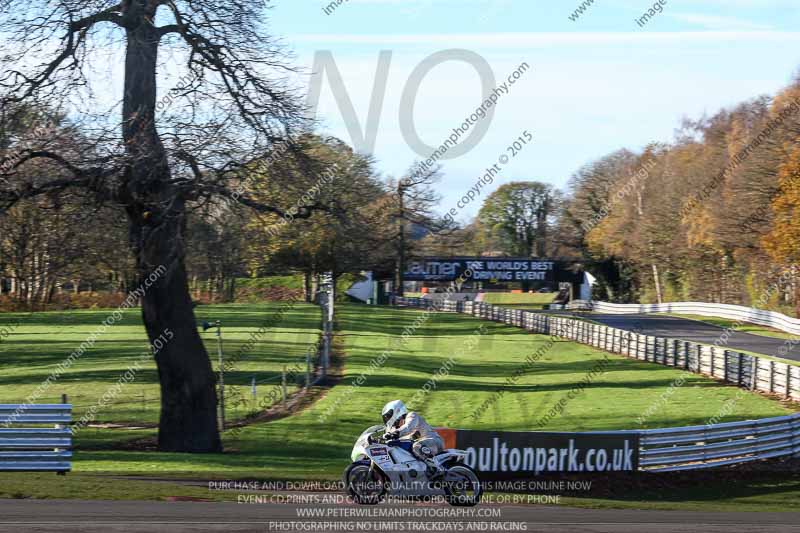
(586, 205)
(452, 241)
(783, 241)
(518, 216)
(713, 219)
(349, 235)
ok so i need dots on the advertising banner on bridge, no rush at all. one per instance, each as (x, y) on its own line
(498, 455)
(503, 269)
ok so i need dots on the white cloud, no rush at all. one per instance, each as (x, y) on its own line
(719, 23)
(544, 39)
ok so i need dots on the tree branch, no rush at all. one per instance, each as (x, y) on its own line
(91, 179)
(107, 15)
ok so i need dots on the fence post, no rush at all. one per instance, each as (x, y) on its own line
(740, 369)
(726, 362)
(699, 359)
(771, 376)
(64, 400)
(712, 361)
(686, 355)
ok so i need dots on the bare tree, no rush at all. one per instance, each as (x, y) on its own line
(413, 202)
(197, 143)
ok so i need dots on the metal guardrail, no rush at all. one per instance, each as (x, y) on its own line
(731, 312)
(35, 448)
(681, 448)
(694, 447)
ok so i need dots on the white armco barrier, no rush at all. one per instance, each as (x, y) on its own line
(731, 312)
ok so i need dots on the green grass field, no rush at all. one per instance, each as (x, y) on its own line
(305, 446)
(524, 300)
(290, 281)
(313, 445)
(293, 282)
(43, 340)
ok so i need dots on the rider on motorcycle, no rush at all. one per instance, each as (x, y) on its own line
(410, 426)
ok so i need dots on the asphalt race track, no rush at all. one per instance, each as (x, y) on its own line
(65, 516)
(692, 330)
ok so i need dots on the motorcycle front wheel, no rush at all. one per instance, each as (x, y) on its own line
(461, 486)
(364, 487)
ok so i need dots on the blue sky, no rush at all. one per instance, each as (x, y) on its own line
(596, 84)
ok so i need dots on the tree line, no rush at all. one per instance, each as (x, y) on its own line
(712, 216)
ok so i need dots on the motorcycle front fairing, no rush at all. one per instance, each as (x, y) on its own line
(360, 448)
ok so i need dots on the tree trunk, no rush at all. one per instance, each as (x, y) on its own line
(157, 218)
(232, 289)
(657, 282)
(399, 281)
(307, 293)
(188, 398)
(541, 232)
(314, 286)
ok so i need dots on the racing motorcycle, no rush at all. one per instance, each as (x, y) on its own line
(383, 465)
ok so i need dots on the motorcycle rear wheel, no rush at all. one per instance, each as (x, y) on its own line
(461, 486)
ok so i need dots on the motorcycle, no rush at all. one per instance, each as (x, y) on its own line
(383, 466)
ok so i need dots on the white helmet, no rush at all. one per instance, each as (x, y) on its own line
(392, 411)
